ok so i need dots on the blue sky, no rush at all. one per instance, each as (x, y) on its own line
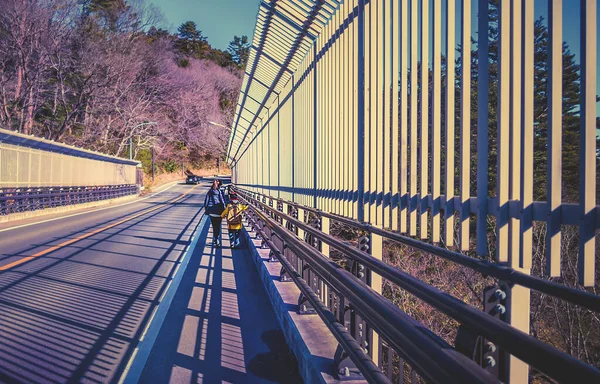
(220, 20)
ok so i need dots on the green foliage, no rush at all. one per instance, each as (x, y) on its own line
(222, 58)
(154, 34)
(145, 157)
(239, 48)
(170, 166)
(190, 41)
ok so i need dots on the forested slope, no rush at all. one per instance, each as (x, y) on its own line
(101, 73)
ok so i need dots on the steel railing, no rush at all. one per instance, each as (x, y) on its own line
(14, 200)
(428, 355)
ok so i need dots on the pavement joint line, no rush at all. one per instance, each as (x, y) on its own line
(89, 234)
(95, 210)
(137, 362)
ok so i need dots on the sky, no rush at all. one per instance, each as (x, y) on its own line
(219, 20)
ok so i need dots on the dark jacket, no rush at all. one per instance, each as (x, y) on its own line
(214, 202)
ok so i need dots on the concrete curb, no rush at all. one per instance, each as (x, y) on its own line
(308, 337)
(137, 362)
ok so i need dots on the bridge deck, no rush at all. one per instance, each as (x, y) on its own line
(221, 326)
(76, 295)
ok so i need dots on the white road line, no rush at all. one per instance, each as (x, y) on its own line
(95, 210)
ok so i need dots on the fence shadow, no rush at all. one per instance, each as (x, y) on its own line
(220, 327)
(75, 314)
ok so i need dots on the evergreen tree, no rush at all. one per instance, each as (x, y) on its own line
(239, 49)
(190, 41)
(570, 111)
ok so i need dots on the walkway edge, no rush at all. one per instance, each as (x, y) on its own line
(316, 366)
(137, 362)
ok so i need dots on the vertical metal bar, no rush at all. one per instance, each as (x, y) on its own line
(414, 22)
(360, 109)
(293, 138)
(318, 128)
(316, 143)
(348, 112)
(587, 145)
(378, 162)
(354, 41)
(424, 164)
(325, 227)
(519, 308)
(396, 45)
(514, 227)
(404, 42)
(340, 139)
(344, 112)
(527, 136)
(387, 129)
(436, 116)
(334, 116)
(376, 283)
(450, 118)
(374, 128)
(482, 127)
(330, 122)
(368, 109)
(465, 125)
(376, 84)
(503, 172)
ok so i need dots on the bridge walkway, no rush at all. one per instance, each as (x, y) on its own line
(221, 326)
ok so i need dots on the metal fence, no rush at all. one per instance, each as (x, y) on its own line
(350, 107)
(15, 200)
(367, 325)
(37, 173)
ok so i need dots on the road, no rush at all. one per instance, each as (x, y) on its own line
(76, 294)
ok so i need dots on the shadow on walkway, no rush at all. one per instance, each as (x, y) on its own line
(220, 326)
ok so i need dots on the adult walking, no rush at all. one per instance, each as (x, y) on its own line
(214, 205)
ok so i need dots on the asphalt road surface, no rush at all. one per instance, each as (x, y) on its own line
(78, 293)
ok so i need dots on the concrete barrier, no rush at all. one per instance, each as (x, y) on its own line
(308, 337)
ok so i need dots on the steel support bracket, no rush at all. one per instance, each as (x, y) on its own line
(304, 306)
(284, 275)
(345, 367)
(272, 257)
(491, 357)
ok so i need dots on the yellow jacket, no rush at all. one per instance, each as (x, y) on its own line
(241, 208)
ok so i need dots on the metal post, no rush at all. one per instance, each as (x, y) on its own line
(130, 148)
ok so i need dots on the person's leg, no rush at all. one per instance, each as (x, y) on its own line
(218, 231)
(216, 226)
(237, 238)
(232, 238)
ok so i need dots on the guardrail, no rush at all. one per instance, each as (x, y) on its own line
(13, 200)
(389, 336)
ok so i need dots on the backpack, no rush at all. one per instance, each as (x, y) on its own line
(234, 216)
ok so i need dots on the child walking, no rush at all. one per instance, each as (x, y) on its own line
(233, 213)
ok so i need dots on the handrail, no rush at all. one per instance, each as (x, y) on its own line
(503, 273)
(363, 362)
(32, 193)
(22, 199)
(430, 355)
(544, 357)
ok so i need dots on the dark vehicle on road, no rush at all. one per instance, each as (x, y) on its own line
(192, 179)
